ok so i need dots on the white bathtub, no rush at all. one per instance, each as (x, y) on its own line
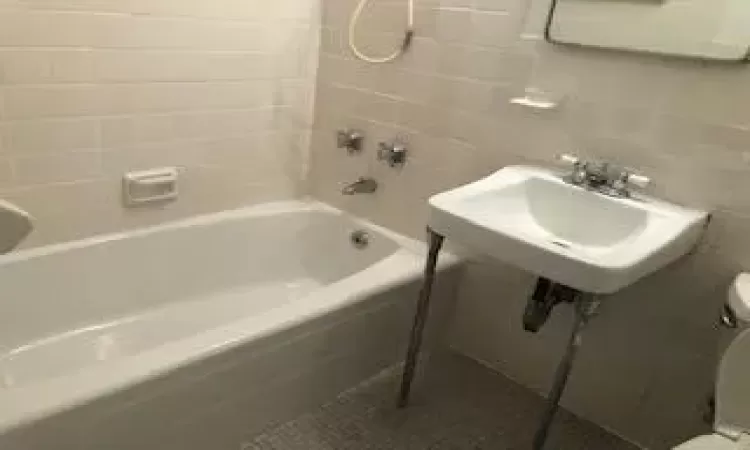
(195, 334)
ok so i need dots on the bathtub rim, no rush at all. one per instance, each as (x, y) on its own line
(25, 405)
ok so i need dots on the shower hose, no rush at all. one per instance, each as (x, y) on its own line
(408, 35)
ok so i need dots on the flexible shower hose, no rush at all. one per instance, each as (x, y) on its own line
(409, 34)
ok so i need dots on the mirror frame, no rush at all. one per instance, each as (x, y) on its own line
(549, 38)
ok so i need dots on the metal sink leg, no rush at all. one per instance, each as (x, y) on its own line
(420, 318)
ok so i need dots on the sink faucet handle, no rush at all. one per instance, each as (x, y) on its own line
(568, 159)
(621, 185)
(627, 178)
(578, 168)
(637, 180)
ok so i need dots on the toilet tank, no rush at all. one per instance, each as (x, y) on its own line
(739, 297)
(736, 317)
(733, 378)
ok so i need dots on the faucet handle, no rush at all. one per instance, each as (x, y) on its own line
(637, 180)
(350, 139)
(577, 167)
(627, 178)
(392, 153)
(568, 159)
(620, 186)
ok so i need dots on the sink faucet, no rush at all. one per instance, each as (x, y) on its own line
(603, 177)
(596, 175)
(363, 185)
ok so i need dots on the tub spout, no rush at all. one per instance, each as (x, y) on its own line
(363, 185)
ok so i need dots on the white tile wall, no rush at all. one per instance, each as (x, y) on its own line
(90, 89)
(648, 362)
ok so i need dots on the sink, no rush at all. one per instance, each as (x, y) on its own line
(530, 218)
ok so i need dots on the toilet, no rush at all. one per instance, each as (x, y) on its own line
(732, 421)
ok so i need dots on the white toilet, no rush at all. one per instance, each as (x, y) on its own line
(732, 421)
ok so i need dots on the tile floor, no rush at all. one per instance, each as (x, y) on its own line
(458, 405)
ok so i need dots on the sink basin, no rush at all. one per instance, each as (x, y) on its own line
(529, 217)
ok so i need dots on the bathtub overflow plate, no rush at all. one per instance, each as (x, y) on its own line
(360, 239)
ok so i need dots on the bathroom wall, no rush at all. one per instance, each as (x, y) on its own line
(91, 89)
(646, 368)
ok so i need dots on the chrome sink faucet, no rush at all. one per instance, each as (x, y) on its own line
(603, 177)
(363, 185)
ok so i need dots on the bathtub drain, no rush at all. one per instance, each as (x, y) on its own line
(360, 239)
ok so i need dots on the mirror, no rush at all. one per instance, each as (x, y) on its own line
(706, 29)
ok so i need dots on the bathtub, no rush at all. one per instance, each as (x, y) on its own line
(197, 334)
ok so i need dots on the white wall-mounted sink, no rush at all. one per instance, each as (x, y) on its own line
(529, 217)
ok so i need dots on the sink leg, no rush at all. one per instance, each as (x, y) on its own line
(420, 317)
(586, 306)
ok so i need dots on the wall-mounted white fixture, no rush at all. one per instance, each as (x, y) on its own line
(732, 415)
(15, 225)
(535, 219)
(150, 186)
(536, 98)
(583, 239)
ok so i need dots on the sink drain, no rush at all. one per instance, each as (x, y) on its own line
(561, 244)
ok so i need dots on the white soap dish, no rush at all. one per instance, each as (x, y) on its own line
(150, 186)
(537, 99)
